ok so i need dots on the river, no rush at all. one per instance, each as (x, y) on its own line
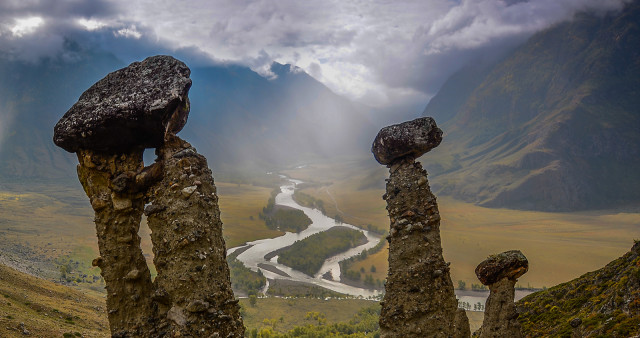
(256, 251)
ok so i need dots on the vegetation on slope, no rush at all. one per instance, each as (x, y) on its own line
(309, 254)
(602, 303)
(302, 317)
(46, 309)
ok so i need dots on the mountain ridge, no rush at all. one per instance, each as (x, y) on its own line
(238, 117)
(552, 126)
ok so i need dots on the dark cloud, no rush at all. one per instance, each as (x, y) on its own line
(57, 9)
(379, 52)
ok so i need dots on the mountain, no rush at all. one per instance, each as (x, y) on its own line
(238, 118)
(33, 96)
(602, 303)
(554, 125)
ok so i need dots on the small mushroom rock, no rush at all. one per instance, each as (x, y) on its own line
(407, 139)
(130, 108)
(509, 264)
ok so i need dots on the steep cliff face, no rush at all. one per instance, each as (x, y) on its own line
(552, 126)
(602, 303)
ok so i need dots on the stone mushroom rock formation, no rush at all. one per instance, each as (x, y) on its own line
(129, 108)
(501, 272)
(419, 299)
(141, 106)
(407, 139)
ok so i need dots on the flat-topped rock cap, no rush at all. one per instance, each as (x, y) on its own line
(131, 107)
(509, 264)
(407, 139)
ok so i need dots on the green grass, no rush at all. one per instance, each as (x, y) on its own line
(293, 311)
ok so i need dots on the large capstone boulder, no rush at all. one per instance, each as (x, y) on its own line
(130, 108)
(509, 264)
(407, 139)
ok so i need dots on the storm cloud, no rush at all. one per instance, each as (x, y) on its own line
(377, 52)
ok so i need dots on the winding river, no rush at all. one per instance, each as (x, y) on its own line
(254, 252)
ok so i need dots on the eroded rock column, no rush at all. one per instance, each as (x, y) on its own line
(118, 211)
(419, 299)
(501, 272)
(143, 106)
(193, 287)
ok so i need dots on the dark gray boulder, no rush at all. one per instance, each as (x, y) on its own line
(509, 264)
(407, 139)
(130, 108)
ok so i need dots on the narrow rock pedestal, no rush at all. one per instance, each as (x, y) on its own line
(193, 288)
(118, 211)
(501, 272)
(419, 299)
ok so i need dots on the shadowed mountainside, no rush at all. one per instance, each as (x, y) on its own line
(553, 126)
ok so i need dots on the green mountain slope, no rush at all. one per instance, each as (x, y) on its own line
(555, 125)
(602, 303)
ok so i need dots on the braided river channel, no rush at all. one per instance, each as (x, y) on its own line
(253, 253)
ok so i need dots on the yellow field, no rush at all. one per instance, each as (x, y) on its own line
(559, 246)
(56, 221)
(240, 205)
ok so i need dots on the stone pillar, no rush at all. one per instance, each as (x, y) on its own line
(193, 289)
(118, 210)
(501, 272)
(419, 299)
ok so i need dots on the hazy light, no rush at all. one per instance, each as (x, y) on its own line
(26, 26)
(91, 24)
(128, 32)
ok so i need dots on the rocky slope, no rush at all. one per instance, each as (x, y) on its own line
(602, 303)
(552, 126)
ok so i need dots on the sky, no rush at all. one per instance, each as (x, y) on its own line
(375, 52)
